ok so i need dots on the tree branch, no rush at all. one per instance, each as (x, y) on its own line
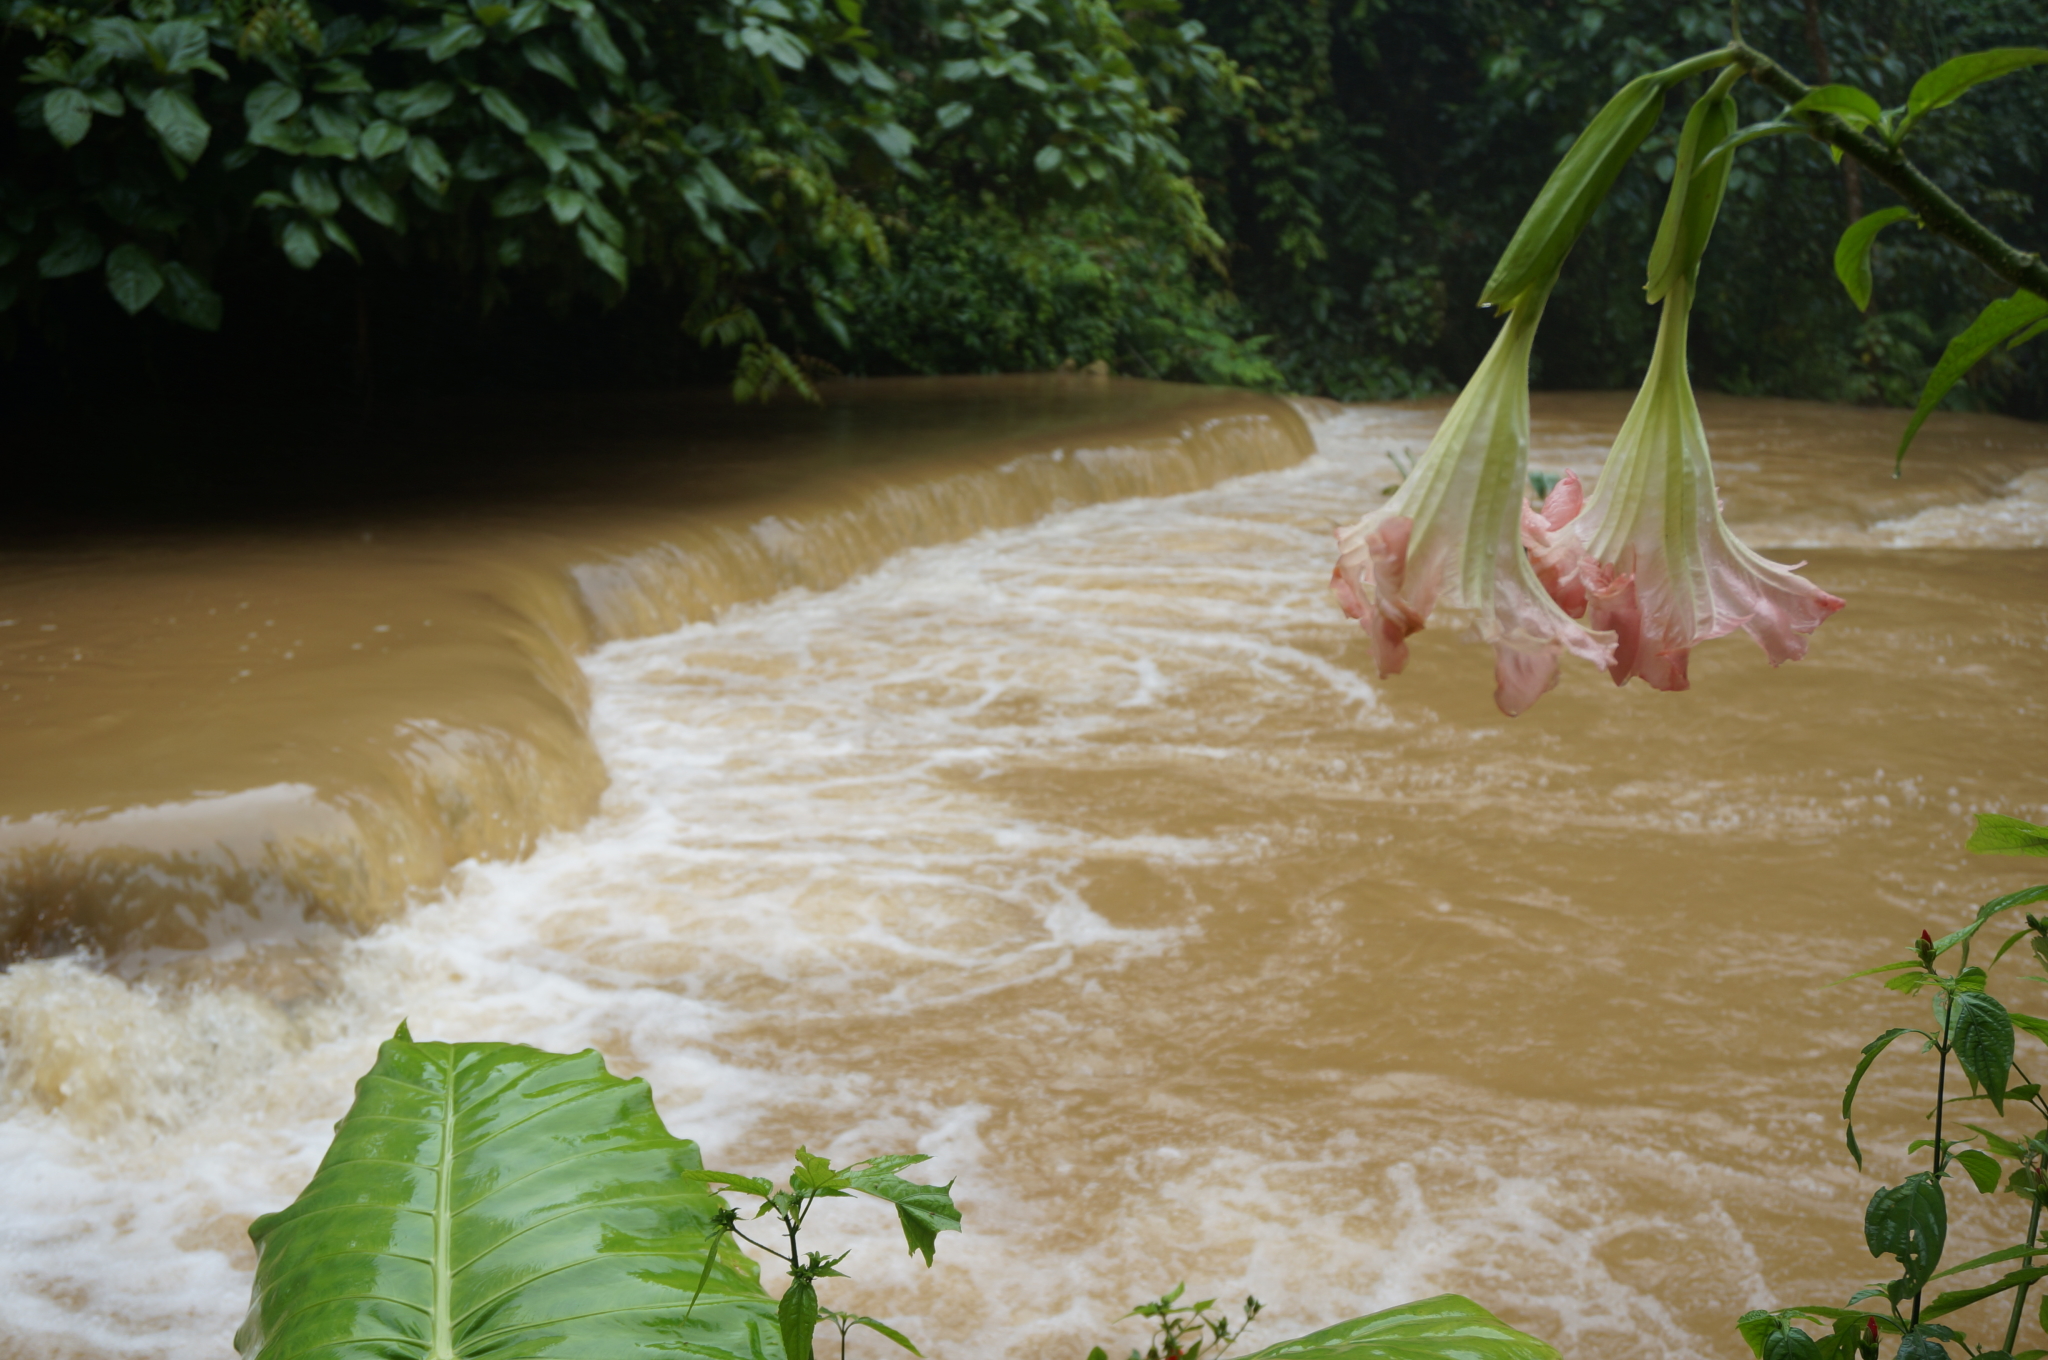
(1936, 209)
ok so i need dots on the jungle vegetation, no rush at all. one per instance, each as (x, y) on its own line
(305, 198)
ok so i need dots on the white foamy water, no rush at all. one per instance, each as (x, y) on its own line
(1090, 858)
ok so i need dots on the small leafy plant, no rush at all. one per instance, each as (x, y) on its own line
(1909, 1221)
(925, 1211)
(1175, 1322)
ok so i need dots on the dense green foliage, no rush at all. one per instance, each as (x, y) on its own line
(1393, 146)
(1299, 195)
(1909, 1221)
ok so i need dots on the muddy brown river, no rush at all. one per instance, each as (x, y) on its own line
(980, 767)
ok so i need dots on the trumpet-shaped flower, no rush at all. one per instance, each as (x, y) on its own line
(1452, 536)
(1660, 568)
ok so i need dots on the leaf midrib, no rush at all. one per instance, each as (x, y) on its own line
(444, 1216)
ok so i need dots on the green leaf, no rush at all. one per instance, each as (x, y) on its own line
(1755, 1327)
(1852, 253)
(747, 1185)
(180, 45)
(455, 38)
(1909, 1221)
(302, 244)
(1952, 79)
(796, 1318)
(371, 198)
(565, 205)
(1790, 1343)
(500, 106)
(133, 277)
(315, 190)
(423, 157)
(1981, 1032)
(546, 60)
(1776, 127)
(2033, 1025)
(1996, 835)
(1994, 324)
(1983, 1168)
(73, 252)
(421, 101)
(923, 1211)
(382, 137)
(271, 102)
(1845, 102)
(596, 40)
(886, 1330)
(1447, 1327)
(178, 122)
(1550, 228)
(1048, 158)
(490, 1200)
(186, 298)
(894, 139)
(1870, 1052)
(67, 115)
(602, 254)
(1994, 1258)
(519, 198)
(1947, 1303)
(954, 114)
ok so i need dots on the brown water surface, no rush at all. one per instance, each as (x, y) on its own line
(1086, 854)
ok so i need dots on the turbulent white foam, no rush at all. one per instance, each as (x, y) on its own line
(828, 819)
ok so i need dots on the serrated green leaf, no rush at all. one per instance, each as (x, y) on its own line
(923, 1211)
(1999, 835)
(133, 277)
(492, 1199)
(1852, 252)
(178, 122)
(67, 115)
(1447, 1327)
(1994, 324)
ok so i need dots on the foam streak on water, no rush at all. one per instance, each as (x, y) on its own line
(1090, 858)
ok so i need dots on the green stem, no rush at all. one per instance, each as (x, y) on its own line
(1936, 210)
(2019, 1303)
(1940, 1108)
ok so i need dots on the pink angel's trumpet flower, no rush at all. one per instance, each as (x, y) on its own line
(1661, 567)
(1556, 554)
(1452, 537)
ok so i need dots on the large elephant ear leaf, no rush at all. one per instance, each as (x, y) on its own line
(495, 1200)
(1447, 1327)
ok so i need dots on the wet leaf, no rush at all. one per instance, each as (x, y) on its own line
(1997, 835)
(1995, 323)
(491, 1199)
(1852, 253)
(1908, 1221)
(1447, 1327)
